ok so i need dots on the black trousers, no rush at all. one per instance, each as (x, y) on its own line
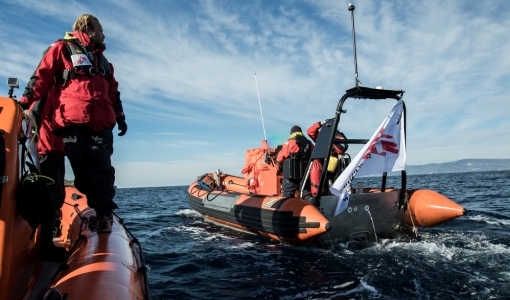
(289, 187)
(53, 166)
(89, 153)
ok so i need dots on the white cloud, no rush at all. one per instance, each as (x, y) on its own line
(188, 67)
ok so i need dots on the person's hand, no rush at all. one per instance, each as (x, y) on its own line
(121, 124)
(322, 122)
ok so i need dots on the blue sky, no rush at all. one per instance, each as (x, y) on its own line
(186, 71)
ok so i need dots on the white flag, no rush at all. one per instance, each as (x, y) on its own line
(384, 152)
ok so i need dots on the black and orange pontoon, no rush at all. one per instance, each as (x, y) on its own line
(252, 203)
(95, 266)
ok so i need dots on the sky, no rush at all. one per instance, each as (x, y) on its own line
(203, 81)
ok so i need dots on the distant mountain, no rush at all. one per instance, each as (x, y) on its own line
(463, 165)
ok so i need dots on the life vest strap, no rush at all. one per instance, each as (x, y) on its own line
(75, 48)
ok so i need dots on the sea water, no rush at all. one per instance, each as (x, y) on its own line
(467, 258)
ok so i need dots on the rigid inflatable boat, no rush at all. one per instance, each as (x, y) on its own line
(342, 212)
(252, 203)
(94, 266)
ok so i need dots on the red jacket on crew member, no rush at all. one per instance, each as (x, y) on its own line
(313, 132)
(83, 99)
(292, 146)
(43, 113)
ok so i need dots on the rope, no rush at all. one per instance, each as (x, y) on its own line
(35, 177)
(373, 225)
(415, 228)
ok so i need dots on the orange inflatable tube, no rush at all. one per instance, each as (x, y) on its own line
(96, 260)
(291, 220)
(96, 266)
(428, 208)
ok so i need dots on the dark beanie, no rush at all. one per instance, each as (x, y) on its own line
(295, 128)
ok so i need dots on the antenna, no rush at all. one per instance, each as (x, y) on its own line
(351, 9)
(260, 105)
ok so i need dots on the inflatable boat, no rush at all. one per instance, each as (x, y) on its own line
(342, 211)
(253, 203)
(90, 265)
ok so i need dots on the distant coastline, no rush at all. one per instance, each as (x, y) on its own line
(459, 166)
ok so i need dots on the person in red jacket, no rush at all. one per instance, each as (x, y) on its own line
(86, 109)
(338, 149)
(297, 143)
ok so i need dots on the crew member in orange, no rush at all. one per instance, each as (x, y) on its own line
(297, 143)
(85, 110)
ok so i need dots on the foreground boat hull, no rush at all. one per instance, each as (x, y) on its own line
(100, 266)
(83, 264)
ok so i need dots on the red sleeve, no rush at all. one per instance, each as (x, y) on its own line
(284, 153)
(313, 131)
(337, 150)
(51, 66)
(288, 148)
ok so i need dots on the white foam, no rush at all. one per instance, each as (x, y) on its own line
(489, 220)
(188, 213)
(362, 287)
(333, 293)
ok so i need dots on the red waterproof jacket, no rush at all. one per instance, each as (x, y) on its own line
(292, 146)
(42, 112)
(313, 132)
(83, 99)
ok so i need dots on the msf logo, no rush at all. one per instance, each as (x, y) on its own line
(80, 60)
(381, 145)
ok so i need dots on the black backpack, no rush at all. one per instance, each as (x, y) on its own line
(33, 196)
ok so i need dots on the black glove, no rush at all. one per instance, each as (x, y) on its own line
(121, 124)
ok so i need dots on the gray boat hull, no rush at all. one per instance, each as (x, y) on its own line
(368, 216)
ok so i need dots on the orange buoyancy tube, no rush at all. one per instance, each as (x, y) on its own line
(291, 220)
(427, 208)
(18, 251)
(101, 265)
